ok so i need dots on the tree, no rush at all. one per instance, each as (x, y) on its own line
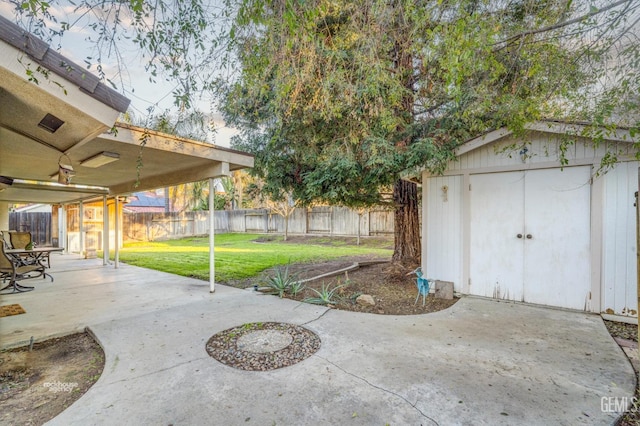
(280, 202)
(189, 124)
(339, 99)
(361, 211)
(241, 179)
(285, 208)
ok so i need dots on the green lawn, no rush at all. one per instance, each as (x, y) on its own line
(239, 255)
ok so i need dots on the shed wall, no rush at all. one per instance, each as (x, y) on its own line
(613, 257)
(619, 272)
(443, 219)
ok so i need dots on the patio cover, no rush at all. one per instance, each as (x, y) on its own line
(29, 153)
(52, 112)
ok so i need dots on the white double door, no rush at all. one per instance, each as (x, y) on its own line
(530, 236)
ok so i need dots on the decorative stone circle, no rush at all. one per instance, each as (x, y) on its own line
(263, 341)
(263, 346)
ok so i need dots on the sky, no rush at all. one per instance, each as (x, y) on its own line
(135, 83)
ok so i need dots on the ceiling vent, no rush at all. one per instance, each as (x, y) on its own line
(50, 123)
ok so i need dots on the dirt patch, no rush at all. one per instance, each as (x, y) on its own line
(37, 385)
(628, 332)
(393, 292)
(392, 287)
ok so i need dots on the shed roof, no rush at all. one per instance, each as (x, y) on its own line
(621, 134)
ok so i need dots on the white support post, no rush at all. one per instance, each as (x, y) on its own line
(105, 231)
(212, 232)
(638, 245)
(81, 227)
(60, 224)
(4, 216)
(62, 228)
(117, 233)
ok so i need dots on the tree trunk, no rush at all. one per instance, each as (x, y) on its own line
(407, 223)
(286, 227)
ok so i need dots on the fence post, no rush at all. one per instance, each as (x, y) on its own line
(331, 220)
(266, 221)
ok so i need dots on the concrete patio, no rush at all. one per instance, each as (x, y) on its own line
(479, 362)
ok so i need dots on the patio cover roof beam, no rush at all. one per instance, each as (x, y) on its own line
(52, 186)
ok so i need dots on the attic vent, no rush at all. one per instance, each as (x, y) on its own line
(50, 123)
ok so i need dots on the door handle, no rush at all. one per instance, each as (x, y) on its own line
(529, 236)
(519, 235)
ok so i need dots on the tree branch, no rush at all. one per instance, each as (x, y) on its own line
(564, 23)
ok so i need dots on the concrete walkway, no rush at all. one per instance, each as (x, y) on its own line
(479, 362)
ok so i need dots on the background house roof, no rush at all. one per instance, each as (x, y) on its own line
(145, 202)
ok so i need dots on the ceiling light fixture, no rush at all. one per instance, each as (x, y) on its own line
(100, 160)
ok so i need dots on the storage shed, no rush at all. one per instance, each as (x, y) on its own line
(511, 223)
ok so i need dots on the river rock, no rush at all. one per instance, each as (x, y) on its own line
(365, 299)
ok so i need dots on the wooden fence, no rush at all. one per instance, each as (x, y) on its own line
(39, 224)
(338, 221)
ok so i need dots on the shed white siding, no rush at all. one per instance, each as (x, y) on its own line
(619, 240)
(443, 251)
(610, 216)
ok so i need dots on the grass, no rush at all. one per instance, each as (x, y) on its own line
(238, 256)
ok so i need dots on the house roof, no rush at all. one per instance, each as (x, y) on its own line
(39, 52)
(145, 199)
(145, 202)
(30, 154)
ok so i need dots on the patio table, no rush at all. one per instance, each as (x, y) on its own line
(37, 255)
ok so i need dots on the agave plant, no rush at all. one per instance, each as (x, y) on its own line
(325, 295)
(283, 281)
(296, 287)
